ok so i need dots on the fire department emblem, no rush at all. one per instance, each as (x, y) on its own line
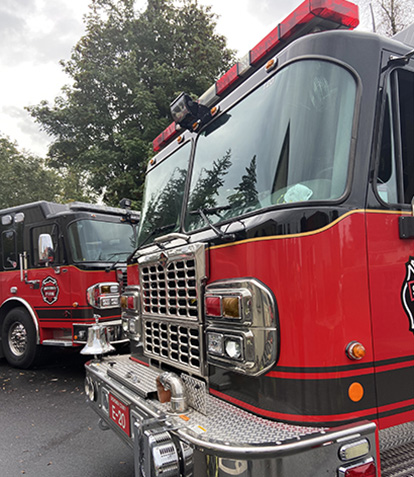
(163, 259)
(49, 290)
(407, 292)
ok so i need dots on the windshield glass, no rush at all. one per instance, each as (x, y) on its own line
(288, 141)
(93, 240)
(163, 196)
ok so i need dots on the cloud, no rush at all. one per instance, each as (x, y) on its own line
(271, 11)
(36, 31)
(21, 125)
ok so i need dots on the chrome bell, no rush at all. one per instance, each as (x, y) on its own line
(98, 342)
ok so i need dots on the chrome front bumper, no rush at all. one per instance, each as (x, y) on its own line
(214, 437)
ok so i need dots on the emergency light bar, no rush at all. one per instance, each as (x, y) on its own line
(311, 16)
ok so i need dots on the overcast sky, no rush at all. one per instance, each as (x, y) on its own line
(36, 34)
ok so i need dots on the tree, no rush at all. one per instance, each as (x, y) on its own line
(24, 178)
(246, 193)
(387, 16)
(165, 204)
(125, 71)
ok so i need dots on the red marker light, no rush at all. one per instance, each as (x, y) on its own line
(131, 303)
(227, 80)
(213, 306)
(364, 470)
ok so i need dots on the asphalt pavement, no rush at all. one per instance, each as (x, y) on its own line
(48, 430)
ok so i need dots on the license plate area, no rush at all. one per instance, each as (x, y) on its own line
(119, 414)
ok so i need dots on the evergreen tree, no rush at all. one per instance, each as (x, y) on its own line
(125, 72)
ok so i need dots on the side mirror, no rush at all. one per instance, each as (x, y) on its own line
(46, 250)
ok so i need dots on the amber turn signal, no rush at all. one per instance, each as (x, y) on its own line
(355, 350)
(231, 307)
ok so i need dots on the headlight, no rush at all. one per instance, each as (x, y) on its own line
(233, 347)
(215, 343)
(242, 324)
(103, 295)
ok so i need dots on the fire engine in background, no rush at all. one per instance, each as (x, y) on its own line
(62, 267)
(271, 299)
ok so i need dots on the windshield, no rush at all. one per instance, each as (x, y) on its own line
(93, 240)
(288, 141)
(163, 196)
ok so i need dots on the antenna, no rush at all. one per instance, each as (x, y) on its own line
(374, 28)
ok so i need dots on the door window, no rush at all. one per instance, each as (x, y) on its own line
(395, 178)
(8, 239)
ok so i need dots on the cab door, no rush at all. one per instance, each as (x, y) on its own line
(390, 254)
(49, 284)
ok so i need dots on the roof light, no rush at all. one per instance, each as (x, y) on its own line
(310, 16)
(244, 65)
(342, 12)
(164, 137)
(209, 97)
(268, 43)
(227, 80)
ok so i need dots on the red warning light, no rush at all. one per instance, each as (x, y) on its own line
(164, 137)
(227, 80)
(265, 46)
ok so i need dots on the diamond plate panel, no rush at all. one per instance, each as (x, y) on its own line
(223, 423)
(196, 393)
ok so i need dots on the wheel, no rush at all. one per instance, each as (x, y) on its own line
(19, 339)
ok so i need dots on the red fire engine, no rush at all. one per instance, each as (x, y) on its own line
(61, 268)
(270, 304)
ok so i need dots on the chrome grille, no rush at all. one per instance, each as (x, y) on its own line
(171, 304)
(170, 289)
(175, 342)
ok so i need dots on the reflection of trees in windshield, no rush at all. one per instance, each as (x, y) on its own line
(289, 141)
(246, 192)
(209, 182)
(206, 189)
(164, 206)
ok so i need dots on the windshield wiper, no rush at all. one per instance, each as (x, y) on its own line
(112, 267)
(156, 231)
(214, 210)
(211, 210)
